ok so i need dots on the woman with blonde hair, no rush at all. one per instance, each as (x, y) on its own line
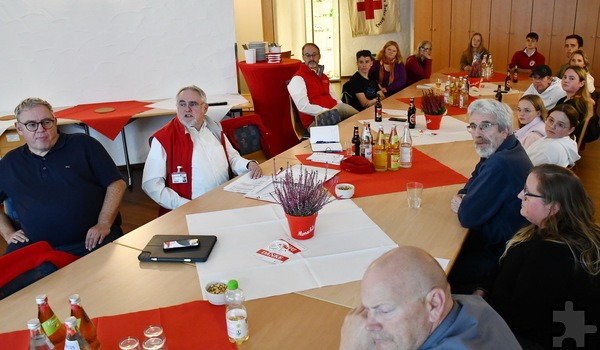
(475, 50)
(579, 58)
(418, 65)
(531, 114)
(553, 264)
(388, 69)
(575, 86)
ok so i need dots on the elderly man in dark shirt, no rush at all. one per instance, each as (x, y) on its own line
(488, 205)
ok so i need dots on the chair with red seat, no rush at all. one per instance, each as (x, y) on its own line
(249, 136)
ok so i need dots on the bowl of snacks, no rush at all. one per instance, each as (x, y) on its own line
(344, 191)
(215, 292)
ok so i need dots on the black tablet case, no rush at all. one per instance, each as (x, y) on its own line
(154, 249)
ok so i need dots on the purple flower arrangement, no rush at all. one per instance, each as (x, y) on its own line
(432, 103)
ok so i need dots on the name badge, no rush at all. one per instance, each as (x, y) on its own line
(179, 177)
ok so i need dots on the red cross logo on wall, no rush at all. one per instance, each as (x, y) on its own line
(369, 6)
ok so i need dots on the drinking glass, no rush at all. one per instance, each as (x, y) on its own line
(129, 343)
(414, 192)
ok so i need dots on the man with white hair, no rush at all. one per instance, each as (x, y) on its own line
(488, 205)
(406, 304)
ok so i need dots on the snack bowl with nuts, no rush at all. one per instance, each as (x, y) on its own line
(344, 190)
(215, 292)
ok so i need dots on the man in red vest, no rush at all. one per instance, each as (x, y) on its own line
(190, 155)
(311, 91)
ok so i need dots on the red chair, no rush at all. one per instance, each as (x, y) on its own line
(249, 136)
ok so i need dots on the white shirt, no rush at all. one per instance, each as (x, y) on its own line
(590, 83)
(528, 134)
(209, 168)
(298, 92)
(562, 151)
(551, 95)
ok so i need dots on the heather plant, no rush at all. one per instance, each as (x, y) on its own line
(303, 196)
(432, 103)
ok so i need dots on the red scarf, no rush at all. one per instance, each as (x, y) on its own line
(392, 64)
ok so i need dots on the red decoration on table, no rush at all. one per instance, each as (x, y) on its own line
(193, 325)
(108, 124)
(450, 110)
(425, 169)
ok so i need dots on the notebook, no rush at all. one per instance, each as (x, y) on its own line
(154, 249)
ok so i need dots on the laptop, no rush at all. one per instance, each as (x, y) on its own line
(155, 251)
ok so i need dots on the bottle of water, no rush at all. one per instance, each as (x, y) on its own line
(37, 338)
(74, 339)
(406, 148)
(236, 315)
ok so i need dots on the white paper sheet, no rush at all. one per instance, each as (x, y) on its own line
(345, 243)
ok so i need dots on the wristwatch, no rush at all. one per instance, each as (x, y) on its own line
(252, 161)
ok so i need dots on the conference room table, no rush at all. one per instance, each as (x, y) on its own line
(112, 281)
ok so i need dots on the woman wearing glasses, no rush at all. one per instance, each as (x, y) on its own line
(418, 65)
(552, 265)
(574, 84)
(388, 69)
(557, 147)
(531, 113)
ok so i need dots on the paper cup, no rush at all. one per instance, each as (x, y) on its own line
(250, 56)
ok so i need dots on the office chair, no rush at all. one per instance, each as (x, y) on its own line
(249, 136)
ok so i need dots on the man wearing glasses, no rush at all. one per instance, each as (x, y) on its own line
(488, 205)
(311, 90)
(64, 188)
(190, 155)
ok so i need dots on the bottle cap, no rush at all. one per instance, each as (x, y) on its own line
(70, 321)
(34, 323)
(232, 284)
(41, 299)
(74, 299)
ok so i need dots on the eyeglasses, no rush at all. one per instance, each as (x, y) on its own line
(426, 48)
(191, 104)
(483, 127)
(46, 124)
(311, 55)
(527, 194)
(552, 123)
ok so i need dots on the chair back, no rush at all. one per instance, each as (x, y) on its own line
(347, 96)
(286, 54)
(249, 136)
(301, 132)
(329, 117)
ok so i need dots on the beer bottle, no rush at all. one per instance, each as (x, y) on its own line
(499, 93)
(406, 149)
(516, 75)
(86, 326)
(412, 114)
(507, 80)
(380, 151)
(378, 110)
(53, 328)
(393, 151)
(356, 142)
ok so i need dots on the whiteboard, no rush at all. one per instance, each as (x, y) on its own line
(84, 51)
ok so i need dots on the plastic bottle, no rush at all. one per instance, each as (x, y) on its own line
(406, 149)
(393, 151)
(52, 326)
(412, 114)
(380, 151)
(378, 110)
(38, 340)
(74, 340)
(86, 326)
(236, 315)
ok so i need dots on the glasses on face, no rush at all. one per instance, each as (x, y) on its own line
(483, 127)
(33, 126)
(311, 55)
(554, 124)
(527, 194)
(191, 104)
(426, 48)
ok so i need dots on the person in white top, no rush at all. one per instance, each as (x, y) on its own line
(579, 58)
(532, 114)
(557, 147)
(545, 86)
(190, 150)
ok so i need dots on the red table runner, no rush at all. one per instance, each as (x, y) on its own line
(108, 124)
(495, 77)
(450, 110)
(425, 169)
(194, 325)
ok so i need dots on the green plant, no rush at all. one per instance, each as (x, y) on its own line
(303, 196)
(432, 103)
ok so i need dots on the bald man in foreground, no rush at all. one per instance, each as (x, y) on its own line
(407, 305)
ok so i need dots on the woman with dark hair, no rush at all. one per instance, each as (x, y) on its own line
(418, 65)
(557, 147)
(531, 114)
(574, 83)
(475, 50)
(388, 69)
(553, 264)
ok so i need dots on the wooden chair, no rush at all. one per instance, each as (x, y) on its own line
(301, 132)
(249, 136)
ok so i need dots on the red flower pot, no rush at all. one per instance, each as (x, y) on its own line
(433, 122)
(302, 227)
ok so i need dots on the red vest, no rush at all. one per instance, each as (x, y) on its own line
(317, 89)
